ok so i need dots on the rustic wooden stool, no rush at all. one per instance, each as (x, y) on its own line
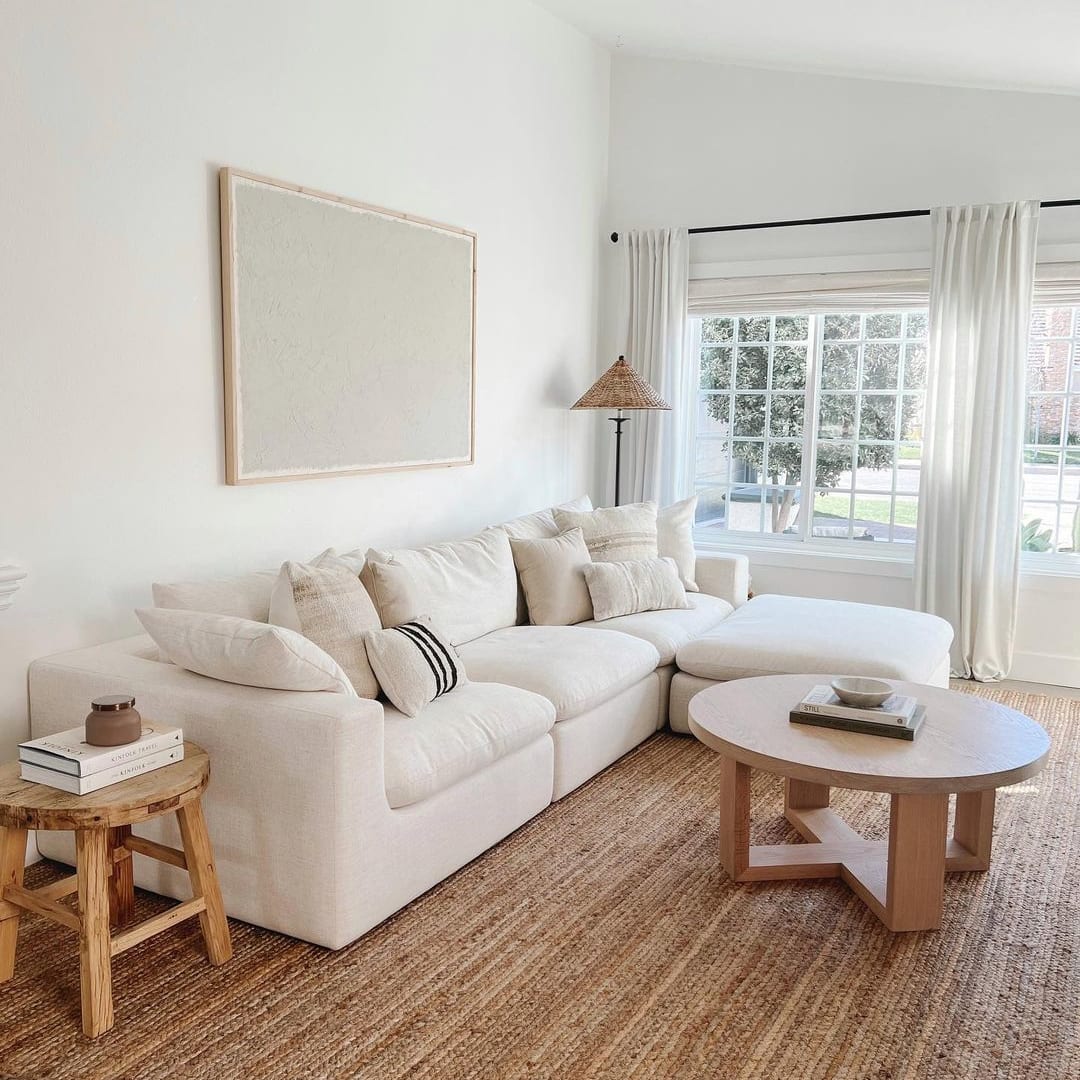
(104, 845)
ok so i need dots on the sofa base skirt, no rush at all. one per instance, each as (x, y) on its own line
(590, 742)
(684, 687)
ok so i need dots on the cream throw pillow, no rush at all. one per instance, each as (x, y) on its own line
(615, 533)
(467, 587)
(675, 538)
(625, 588)
(553, 579)
(415, 664)
(243, 651)
(329, 605)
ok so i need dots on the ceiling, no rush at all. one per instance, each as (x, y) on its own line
(996, 44)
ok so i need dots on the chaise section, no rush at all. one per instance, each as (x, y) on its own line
(457, 735)
(575, 668)
(782, 635)
(670, 629)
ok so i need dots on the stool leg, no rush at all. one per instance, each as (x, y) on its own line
(12, 860)
(122, 881)
(204, 882)
(95, 872)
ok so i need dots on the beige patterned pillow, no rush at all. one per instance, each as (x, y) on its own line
(553, 579)
(329, 606)
(414, 663)
(615, 533)
(625, 588)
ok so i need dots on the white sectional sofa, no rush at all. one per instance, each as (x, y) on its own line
(328, 813)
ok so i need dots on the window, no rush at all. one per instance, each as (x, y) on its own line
(1051, 519)
(841, 391)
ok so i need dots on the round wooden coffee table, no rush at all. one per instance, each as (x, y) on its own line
(967, 745)
(104, 844)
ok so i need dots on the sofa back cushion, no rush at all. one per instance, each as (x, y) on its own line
(468, 588)
(244, 597)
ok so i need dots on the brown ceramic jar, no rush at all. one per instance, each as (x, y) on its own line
(113, 721)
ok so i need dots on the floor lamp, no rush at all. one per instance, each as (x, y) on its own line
(619, 388)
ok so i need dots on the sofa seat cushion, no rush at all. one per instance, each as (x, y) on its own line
(456, 736)
(575, 668)
(670, 629)
(774, 635)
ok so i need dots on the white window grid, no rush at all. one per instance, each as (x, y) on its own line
(1057, 513)
(812, 393)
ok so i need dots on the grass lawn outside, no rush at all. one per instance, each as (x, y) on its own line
(837, 506)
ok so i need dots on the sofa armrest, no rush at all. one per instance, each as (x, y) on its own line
(294, 778)
(298, 735)
(726, 576)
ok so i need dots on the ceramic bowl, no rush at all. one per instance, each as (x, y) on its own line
(862, 693)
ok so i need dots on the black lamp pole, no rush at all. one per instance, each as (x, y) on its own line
(618, 421)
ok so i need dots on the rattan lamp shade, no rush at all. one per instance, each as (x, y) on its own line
(620, 387)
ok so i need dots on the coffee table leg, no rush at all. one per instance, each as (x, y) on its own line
(12, 860)
(974, 826)
(122, 882)
(95, 959)
(915, 883)
(204, 882)
(734, 817)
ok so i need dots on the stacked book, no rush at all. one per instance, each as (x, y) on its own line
(897, 717)
(66, 761)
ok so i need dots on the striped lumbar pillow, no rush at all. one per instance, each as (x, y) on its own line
(414, 664)
(615, 533)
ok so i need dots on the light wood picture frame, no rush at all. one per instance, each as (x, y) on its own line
(349, 335)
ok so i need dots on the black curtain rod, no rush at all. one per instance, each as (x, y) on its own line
(887, 216)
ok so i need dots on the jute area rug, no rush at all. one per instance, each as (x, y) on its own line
(604, 940)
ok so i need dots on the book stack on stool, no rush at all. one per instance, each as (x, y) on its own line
(115, 744)
(866, 706)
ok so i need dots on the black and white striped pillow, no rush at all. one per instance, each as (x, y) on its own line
(414, 664)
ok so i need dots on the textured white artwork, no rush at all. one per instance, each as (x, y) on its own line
(349, 335)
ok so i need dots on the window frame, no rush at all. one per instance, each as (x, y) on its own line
(803, 540)
(1056, 562)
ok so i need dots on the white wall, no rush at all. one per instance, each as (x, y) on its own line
(114, 117)
(704, 144)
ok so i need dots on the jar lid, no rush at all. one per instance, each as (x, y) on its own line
(112, 703)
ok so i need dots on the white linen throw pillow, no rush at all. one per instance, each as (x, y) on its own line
(414, 663)
(553, 579)
(675, 538)
(243, 651)
(625, 588)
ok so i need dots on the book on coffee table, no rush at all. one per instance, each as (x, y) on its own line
(897, 709)
(891, 730)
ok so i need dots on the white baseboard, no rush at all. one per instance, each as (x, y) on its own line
(1046, 668)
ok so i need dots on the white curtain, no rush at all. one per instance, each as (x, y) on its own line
(967, 556)
(657, 446)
